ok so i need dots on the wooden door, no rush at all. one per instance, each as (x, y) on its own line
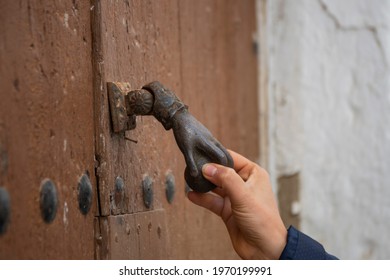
(56, 60)
(203, 51)
(46, 127)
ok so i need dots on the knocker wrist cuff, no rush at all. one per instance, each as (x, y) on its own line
(166, 103)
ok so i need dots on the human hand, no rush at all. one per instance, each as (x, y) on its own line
(245, 202)
(198, 147)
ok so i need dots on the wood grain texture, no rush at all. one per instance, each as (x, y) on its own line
(203, 51)
(46, 125)
(140, 235)
(219, 83)
(54, 121)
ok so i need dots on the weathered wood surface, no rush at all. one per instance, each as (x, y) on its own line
(46, 125)
(204, 52)
(54, 121)
(141, 235)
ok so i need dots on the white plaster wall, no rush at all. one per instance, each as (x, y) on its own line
(329, 90)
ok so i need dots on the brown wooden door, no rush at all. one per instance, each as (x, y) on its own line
(46, 126)
(55, 121)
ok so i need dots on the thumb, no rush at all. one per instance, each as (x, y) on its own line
(225, 178)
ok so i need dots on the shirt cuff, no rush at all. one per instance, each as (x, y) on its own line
(301, 247)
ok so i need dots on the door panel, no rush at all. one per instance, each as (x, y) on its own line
(46, 126)
(56, 59)
(141, 235)
(203, 51)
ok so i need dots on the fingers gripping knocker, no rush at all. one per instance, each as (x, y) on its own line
(194, 140)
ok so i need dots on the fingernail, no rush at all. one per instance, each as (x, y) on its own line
(209, 170)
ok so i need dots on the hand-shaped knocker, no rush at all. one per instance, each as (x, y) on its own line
(194, 140)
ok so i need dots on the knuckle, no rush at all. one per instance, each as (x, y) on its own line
(227, 174)
(261, 172)
(230, 172)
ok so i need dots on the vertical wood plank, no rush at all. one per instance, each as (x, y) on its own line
(138, 42)
(203, 51)
(219, 69)
(219, 79)
(46, 125)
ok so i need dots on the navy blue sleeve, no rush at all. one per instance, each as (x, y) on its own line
(302, 247)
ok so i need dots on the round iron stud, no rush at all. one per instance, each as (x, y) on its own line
(48, 200)
(119, 192)
(5, 210)
(85, 194)
(147, 190)
(170, 187)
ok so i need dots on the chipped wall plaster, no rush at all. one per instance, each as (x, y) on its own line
(329, 85)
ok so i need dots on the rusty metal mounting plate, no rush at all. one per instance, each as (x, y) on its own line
(119, 118)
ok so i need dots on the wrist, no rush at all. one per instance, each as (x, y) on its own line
(280, 242)
(179, 117)
(272, 248)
